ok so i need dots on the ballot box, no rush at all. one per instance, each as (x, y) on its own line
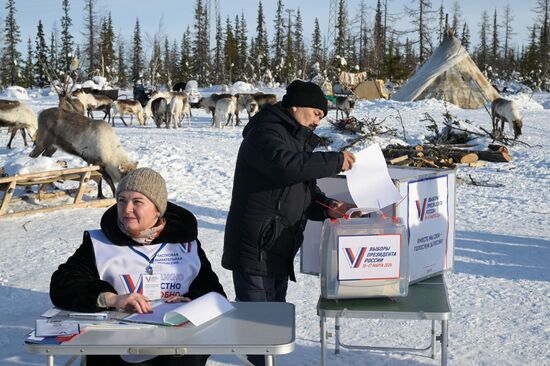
(427, 210)
(364, 257)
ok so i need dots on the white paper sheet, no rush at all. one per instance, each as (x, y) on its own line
(369, 182)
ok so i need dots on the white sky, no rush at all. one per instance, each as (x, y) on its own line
(174, 16)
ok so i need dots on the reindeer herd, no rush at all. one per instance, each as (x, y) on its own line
(70, 126)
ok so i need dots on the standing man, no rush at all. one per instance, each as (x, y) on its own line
(275, 192)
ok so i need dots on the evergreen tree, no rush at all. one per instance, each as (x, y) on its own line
(278, 41)
(260, 51)
(41, 55)
(184, 65)
(137, 55)
(122, 76)
(543, 10)
(201, 44)
(107, 48)
(299, 46)
(442, 25)
(483, 48)
(341, 24)
(317, 50)
(165, 74)
(90, 21)
(421, 19)
(508, 32)
(289, 65)
(530, 66)
(230, 51)
(243, 49)
(465, 37)
(28, 74)
(238, 68)
(495, 44)
(378, 38)
(218, 71)
(456, 18)
(364, 38)
(11, 56)
(66, 37)
(155, 64)
(52, 56)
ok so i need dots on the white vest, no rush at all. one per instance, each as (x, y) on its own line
(177, 264)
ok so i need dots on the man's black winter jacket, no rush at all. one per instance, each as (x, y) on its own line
(274, 193)
(76, 284)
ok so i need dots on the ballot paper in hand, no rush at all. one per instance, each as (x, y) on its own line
(197, 312)
(369, 182)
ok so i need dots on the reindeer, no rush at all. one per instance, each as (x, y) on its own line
(178, 108)
(17, 117)
(93, 141)
(225, 109)
(131, 107)
(159, 108)
(94, 102)
(505, 111)
(345, 104)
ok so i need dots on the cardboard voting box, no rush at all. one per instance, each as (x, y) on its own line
(427, 210)
(365, 257)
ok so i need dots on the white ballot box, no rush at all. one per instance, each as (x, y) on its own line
(364, 257)
(427, 211)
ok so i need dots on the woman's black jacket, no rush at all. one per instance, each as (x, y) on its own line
(76, 284)
(274, 193)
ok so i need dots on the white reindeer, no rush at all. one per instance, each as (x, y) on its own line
(94, 141)
(131, 107)
(17, 117)
(178, 108)
(225, 109)
(504, 110)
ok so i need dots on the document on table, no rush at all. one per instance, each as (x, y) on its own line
(197, 312)
(369, 182)
(52, 328)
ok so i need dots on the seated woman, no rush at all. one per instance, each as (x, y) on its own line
(142, 235)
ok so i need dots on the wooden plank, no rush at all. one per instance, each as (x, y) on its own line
(8, 194)
(49, 174)
(83, 180)
(87, 204)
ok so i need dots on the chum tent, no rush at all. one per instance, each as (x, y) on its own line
(449, 74)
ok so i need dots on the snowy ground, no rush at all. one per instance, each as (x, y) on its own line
(499, 291)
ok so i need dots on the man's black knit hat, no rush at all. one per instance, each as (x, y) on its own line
(305, 94)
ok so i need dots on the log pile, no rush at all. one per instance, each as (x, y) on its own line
(422, 156)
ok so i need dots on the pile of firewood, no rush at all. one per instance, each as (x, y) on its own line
(442, 156)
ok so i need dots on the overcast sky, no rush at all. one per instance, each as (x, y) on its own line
(171, 17)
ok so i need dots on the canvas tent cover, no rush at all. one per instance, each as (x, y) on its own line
(449, 74)
(371, 89)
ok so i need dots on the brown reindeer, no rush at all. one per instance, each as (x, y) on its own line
(93, 102)
(127, 106)
(93, 141)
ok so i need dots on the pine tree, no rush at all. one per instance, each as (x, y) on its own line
(456, 18)
(508, 32)
(465, 37)
(289, 65)
(278, 41)
(441, 28)
(341, 23)
(495, 43)
(530, 65)
(28, 72)
(41, 55)
(317, 50)
(66, 37)
(11, 56)
(201, 44)
(122, 76)
(230, 50)
(483, 48)
(243, 49)
(107, 49)
(378, 38)
(218, 72)
(137, 55)
(421, 19)
(238, 68)
(52, 56)
(299, 46)
(543, 11)
(165, 74)
(363, 36)
(260, 51)
(184, 65)
(90, 21)
(155, 64)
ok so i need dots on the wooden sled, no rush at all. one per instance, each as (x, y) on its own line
(42, 179)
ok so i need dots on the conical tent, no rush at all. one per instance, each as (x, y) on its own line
(450, 74)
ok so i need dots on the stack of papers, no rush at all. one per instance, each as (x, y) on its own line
(53, 328)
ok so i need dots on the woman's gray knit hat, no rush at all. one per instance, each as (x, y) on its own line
(147, 182)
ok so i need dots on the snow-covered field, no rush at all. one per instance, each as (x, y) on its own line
(499, 291)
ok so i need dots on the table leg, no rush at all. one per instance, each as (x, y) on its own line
(337, 335)
(322, 324)
(269, 360)
(433, 339)
(444, 342)
(50, 360)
